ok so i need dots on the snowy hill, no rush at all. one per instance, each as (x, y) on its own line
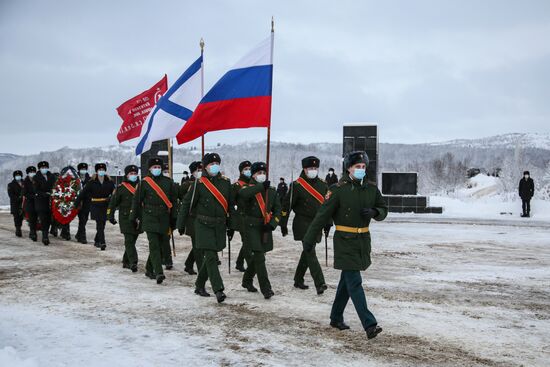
(512, 140)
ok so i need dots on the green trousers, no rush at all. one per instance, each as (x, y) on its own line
(256, 266)
(130, 256)
(309, 260)
(166, 251)
(241, 257)
(154, 261)
(209, 270)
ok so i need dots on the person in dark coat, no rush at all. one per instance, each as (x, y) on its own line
(28, 201)
(15, 193)
(98, 191)
(331, 178)
(244, 178)
(84, 211)
(526, 191)
(43, 184)
(282, 189)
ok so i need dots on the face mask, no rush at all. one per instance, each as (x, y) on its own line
(247, 173)
(197, 174)
(526, 176)
(185, 176)
(166, 174)
(132, 178)
(260, 178)
(214, 169)
(18, 178)
(359, 173)
(312, 173)
(330, 173)
(83, 171)
(44, 171)
(156, 171)
(31, 174)
(101, 173)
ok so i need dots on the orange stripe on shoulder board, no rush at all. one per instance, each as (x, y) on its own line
(159, 191)
(320, 198)
(217, 194)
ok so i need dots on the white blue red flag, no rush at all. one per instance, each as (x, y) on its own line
(173, 109)
(240, 99)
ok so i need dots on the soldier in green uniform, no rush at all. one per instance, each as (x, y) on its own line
(244, 179)
(262, 211)
(351, 203)
(122, 200)
(166, 250)
(152, 209)
(211, 199)
(196, 172)
(305, 197)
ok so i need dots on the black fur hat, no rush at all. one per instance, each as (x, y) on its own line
(195, 166)
(17, 173)
(82, 166)
(258, 166)
(211, 158)
(356, 157)
(526, 173)
(154, 162)
(43, 164)
(243, 165)
(310, 161)
(31, 169)
(165, 167)
(99, 166)
(130, 168)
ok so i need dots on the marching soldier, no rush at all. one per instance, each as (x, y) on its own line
(166, 250)
(306, 196)
(43, 184)
(15, 193)
(84, 211)
(28, 201)
(210, 197)
(352, 204)
(152, 209)
(262, 210)
(244, 179)
(122, 200)
(98, 190)
(196, 172)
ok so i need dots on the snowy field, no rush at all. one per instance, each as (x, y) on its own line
(455, 292)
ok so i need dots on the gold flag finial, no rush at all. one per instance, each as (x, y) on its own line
(272, 24)
(201, 43)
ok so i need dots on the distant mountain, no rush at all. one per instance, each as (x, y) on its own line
(441, 166)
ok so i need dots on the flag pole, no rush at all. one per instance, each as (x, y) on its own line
(201, 43)
(269, 126)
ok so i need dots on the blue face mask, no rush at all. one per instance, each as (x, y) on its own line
(214, 169)
(156, 171)
(44, 171)
(247, 173)
(32, 174)
(132, 178)
(101, 173)
(359, 173)
(83, 171)
(18, 178)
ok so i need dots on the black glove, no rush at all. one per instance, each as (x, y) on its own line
(369, 213)
(230, 233)
(173, 225)
(181, 231)
(112, 220)
(135, 223)
(267, 228)
(327, 229)
(284, 231)
(267, 185)
(308, 246)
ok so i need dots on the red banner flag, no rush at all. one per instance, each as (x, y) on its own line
(134, 111)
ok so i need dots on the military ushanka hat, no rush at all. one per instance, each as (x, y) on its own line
(99, 166)
(310, 161)
(211, 158)
(356, 157)
(243, 165)
(43, 164)
(82, 166)
(31, 169)
(195, 166)
(17, 173)
(154, 162)
(257, 167)
(131, 168)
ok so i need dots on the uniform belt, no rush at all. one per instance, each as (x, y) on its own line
(352, 229)
(95, 200)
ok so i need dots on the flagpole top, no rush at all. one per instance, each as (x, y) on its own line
(201, 43)
(272, 25)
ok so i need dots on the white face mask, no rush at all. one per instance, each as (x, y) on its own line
(32, 174)
(526, 176)
(166, 174)
(260, 178)
(312, 173)
(197, 174)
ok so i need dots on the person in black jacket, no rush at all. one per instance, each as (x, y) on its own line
(84, 212)
(28, 201)
(282, 189)
(98, 191)
(43, 184)
(15, 192)
(526, 192)
(331, 178)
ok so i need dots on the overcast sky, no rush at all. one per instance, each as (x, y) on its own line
(423, 70)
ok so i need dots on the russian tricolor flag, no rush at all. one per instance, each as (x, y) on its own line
(240, 99)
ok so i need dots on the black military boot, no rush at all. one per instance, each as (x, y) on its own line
(150, 275)
(190, 271)
(160, 278)
(53, 231)
(18, 232)
(300, 285)
(240, 267)
(373, 331)
(220, 296)
(169, 267)
(250, 287)
(134, 268)
(340, 325)
(321, 289)
(83, 240)
(202, 292)
(103, 247)
(268, 294)
(45, 241)
(125, 266)
(33, 236)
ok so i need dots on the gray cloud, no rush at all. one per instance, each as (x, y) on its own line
(424, 70)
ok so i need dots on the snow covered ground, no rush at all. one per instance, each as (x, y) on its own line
(446, 291)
